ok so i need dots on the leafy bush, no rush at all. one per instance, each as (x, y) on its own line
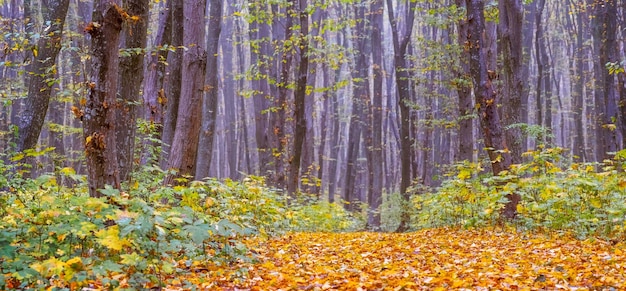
(313, 215)
(54, 236)
(585, 199)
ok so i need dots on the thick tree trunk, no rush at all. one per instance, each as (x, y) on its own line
(607, 15)
(100, 111)
(510, 45)
(209, 103)
(487, 99)
(134, 37)
(185, 144)
(41, 75)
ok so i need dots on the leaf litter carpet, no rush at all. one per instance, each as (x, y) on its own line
(434, 259)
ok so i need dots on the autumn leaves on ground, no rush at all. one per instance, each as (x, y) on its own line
(436, 259)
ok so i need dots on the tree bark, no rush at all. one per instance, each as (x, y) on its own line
(41, 75)
(510, 44)
(375, 192)
(187, 134)
(464, 90)
(209, 103)
(134, 37)
(401, 41)
(173, 81)
(100, 111)
(299, 95)
(487, 99)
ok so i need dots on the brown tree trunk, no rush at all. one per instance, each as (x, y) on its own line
(153, 94)
(100, 110)
(464, 90)
(487, 100)
(360, 99)
(578, 79)
(209, 103)
(401, 39)
(607, 16)
(186, 136)
(41, 74)
(375, 192)
(134, 38)
(173, 81)
(299, 95)
(510, 45)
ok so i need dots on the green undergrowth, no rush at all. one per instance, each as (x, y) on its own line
(53, 235)
(584, 199)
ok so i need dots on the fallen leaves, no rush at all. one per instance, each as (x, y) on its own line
(436, 259)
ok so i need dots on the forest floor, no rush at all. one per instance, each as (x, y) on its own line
(435, 259)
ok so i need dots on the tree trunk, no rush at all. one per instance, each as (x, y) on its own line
(401, 41)
(134, 37)
(464, 90)
(187, 134)
(100, 111)
(487, 100)
(299, 95)
(375, 192)
(41, 75)
(209, 103)
(510, 44)
(173, 81)
(607, 15)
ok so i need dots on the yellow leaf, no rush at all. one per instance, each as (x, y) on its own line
(110, 238)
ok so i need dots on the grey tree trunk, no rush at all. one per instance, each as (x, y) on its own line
(487, 100)
(173, 81)
(510, 45)
(134, 39)
(209, 103)
(299, 95)
(187, 134)
(41, 75)
(401, 39)
(100, 110)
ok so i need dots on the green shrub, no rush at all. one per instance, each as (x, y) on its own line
(584, 199)
(313, 215)
(54, 236)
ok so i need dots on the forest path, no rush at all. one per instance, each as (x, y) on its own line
(435, 259)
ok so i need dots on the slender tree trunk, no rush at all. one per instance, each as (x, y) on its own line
(299, 95)
(99, 114)
(375, 192)
(154, 97)
(134, 37)
(487, 100)
(360, 99)
(187, 134)
(173, 81)
(401, 41)
(578, 80)
(464, 90)
(209, 103)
